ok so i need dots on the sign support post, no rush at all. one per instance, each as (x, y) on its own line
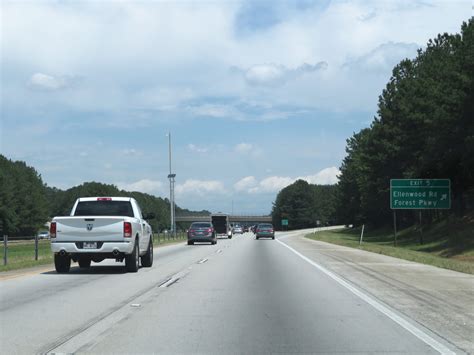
(5, 249)
(421, 230)
(361, 235)
(395, 227)
(36, 247)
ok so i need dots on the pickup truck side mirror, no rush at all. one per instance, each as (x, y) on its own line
(150, 215)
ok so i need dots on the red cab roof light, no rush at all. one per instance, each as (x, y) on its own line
(104, 198)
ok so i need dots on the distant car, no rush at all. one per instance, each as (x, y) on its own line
(43, 235)
(201, 232)
(265, 230)
(238, 229)
(246, 229)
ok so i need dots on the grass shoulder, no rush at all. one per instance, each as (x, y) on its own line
(448, 245)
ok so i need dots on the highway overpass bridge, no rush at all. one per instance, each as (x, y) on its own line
(232, 219)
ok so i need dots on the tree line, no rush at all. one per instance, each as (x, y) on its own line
(26, 203)
(305, 205)
(424, 128)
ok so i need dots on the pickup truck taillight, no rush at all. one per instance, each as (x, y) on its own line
(127, 230)
(209, 230)
(52, 230)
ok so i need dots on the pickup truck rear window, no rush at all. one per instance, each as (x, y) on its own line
(104, 208)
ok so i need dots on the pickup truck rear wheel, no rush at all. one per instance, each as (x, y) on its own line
(131, 261)
(84, 263)
(62, 263)
(147, 259)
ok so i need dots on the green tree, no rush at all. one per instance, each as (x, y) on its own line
(23, 205)
(423, 129)
(304, 204)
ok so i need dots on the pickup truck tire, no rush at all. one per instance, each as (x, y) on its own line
(62, 263)
(147, 259)
(84, 263)
(190, 243)
(132, 260)
(214, 242)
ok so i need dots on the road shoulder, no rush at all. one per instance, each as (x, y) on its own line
(439, 299)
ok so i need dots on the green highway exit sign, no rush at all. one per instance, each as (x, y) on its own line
(419, 194)
(284, 222)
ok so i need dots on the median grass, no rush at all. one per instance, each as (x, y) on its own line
(446, 244)
(21, 254)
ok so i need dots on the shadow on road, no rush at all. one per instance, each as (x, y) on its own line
(93, 270)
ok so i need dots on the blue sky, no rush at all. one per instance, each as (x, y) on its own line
(255, 93)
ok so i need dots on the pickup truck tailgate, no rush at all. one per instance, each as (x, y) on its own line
(89, 228)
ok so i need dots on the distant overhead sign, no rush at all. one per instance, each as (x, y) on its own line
(284, 222)
(406, 194)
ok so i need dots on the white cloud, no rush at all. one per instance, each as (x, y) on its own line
(276, 74)
(197, 149)
(154, 187)
(327, 176)
(273, 184)
(200, 187)
(243, 148)
(214, 110)
(111, 47)
(383, 57)
(265, 74)
(245, 184)
(47, 82)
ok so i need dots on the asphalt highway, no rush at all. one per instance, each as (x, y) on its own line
(241, 296)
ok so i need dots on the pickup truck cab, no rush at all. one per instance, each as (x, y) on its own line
(102, 228)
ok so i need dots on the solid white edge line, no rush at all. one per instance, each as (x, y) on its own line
(380, 307)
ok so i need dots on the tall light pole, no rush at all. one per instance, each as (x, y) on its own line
(171, 176)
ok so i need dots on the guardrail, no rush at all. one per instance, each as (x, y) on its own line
(164, 238)
(16, 244)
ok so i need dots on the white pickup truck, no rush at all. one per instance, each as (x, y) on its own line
(102, 228)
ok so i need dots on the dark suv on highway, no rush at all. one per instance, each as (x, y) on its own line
(201, 232)
(264, 230)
